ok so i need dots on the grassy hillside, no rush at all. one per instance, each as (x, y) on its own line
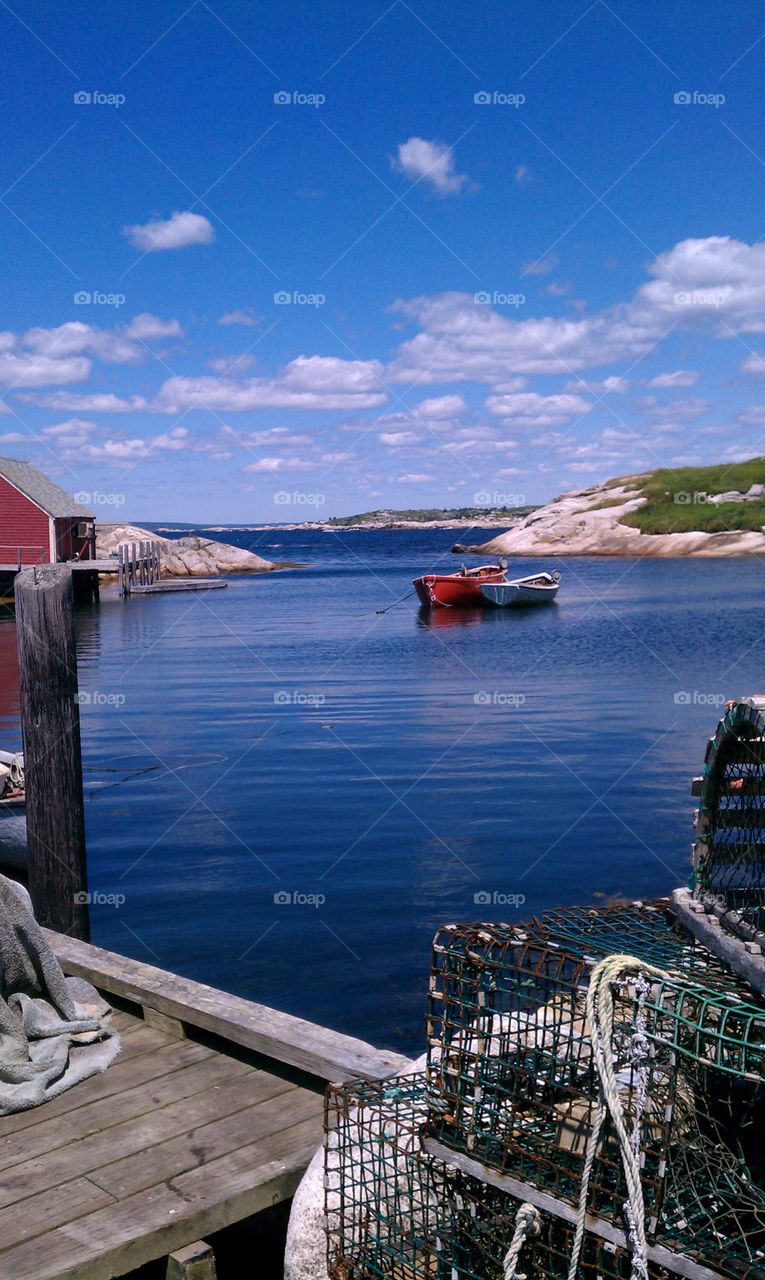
(678, 499)
(452, 513)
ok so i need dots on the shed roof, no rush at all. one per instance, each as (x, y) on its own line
(45, 492)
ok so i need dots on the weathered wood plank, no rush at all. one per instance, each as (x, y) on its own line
(132, 1104)
(161, 1022)
(264, 1121)
(30, 1176)
(50, 722)
(195, 1262)
(317, 1050)
(151, 1224)
(53, 1208)
(127, 1072)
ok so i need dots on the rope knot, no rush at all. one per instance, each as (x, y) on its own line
(528, 1225)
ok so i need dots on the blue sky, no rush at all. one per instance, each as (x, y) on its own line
(520, 247)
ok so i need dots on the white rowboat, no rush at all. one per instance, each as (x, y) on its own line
(539, 588)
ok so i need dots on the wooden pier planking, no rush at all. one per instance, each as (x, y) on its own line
(179, 1138)
(316, 1050)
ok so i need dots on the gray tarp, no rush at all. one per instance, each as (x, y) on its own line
(54, 1030)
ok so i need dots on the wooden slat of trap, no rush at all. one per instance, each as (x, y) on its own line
(124, 1235)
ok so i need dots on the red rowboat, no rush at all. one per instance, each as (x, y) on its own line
(457, 590)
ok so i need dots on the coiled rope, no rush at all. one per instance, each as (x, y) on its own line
(600, 1018)
(528, 1224)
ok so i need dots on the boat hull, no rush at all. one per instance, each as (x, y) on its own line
(457, 590)
(520, 594)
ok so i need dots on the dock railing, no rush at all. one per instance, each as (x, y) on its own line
(139, 564)
(11, 554)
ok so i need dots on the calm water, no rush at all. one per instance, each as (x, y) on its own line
(281, 738)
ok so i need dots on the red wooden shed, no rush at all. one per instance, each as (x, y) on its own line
(40, 523)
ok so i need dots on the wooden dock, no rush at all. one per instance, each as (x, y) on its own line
(210, 1114)
(180, 584)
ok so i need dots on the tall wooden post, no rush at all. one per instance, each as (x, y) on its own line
(50, 722)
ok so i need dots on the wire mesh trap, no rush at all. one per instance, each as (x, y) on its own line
(514, 1085)
(729, 853)
(396, 1213)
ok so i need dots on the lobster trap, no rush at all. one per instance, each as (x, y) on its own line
(729, 853)
(516, 1093)
(395, 1212)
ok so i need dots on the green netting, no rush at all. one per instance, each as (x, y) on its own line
(511, 1087)
(729, 856)
(396, 1213)
(509, 1055)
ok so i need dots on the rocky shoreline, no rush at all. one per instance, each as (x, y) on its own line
(188, 557)
(586, 522)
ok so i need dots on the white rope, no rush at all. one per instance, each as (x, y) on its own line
(600, 1018)
(528, 1224)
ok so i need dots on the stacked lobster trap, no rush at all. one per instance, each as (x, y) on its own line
(592, 1105)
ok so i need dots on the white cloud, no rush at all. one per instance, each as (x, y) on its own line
(717, 284)
(396, 438)
(528, 409)
(147, 326)
(432, 162)
(680, 378)
(309, 382)
(76, 338)
(29, 370)
(175, 439)
(441, 407)
(73, 431)
(280, 464)
(609, 386)
(414, 478)
(73, 402)
(244, 316)
(754, 363)
(176, 232)
(522, 176)
(232, 365)
(13, 437)
(540, 266)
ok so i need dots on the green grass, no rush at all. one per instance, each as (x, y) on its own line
(675, 499)
(446, 513)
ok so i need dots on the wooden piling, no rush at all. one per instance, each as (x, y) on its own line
(50, 722)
